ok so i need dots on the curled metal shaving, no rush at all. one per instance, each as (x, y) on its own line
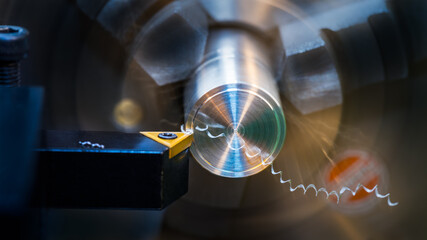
(337, 194)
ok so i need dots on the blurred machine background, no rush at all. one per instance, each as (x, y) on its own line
(352, 80)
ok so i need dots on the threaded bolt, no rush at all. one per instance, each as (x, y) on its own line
(13, 48)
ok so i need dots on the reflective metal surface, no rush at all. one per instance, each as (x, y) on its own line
(86, 73)
(311, 87)
(310, 81)
(233, 107)
(171, 44)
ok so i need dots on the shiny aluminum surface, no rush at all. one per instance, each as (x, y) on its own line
(233, 107)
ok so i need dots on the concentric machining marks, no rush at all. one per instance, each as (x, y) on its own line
(338, 194)
(209, 133)
(247, 150)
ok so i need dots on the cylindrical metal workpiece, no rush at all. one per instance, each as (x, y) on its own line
(233, 107)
